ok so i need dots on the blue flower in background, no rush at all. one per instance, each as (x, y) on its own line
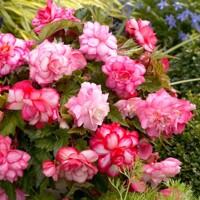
(182, 36)
(171, 21)
(139, 5)
(184, 15)
(177, 6)
(162, 4)
(195, 21)
(128, 7)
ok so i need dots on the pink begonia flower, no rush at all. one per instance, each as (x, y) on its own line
(165, 63)
(142, 33)
(124, 75)
(127, 107)
(50, 61)
(145, 149)
(20, 195)
(90, 107)
(171, 192)
(115, 146)
(12, 52)
(12, 161)
(72, 165)
(161, 171)
(97, 43)
(137, 186)
(163, 114)
(38, 106)
(51, 14)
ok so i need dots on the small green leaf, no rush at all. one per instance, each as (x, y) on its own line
(53, 27)
(9, 189)
(83, 14)
(78, 130)
(137, 124)
(3, 99)
(11, 120)
(43, 196)
(115, 116)
(45, 143)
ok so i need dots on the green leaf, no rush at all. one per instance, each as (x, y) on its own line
(9, 189)
(97, 14)
(53, 27)
(83, 14)
(78, 130)
(45, 143)
(11, 120)
(137, 124)
(3, 99)
(43, 196)
(115, 116)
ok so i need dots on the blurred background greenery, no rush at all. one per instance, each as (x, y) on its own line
(174, 22)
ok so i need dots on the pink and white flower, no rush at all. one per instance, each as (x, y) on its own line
(12, 52)
(50, 61)
(71, 164)
(142, 33)
(90, 107)
(38, 106)
(20, 195)
(163, 114)
(51, 14)
(12, 161)
(97, 43)
(115, 146)
(161, 171)
(127, 106)
(124, 75)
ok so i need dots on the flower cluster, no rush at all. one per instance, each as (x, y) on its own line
(12, 161)
(51, 14)
(50, 61)
(38, 106)
(72, 165)
(94, 86)
(12, 52)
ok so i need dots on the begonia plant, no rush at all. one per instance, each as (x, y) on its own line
(81, 107)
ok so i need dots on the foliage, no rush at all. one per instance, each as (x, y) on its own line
(185, 147)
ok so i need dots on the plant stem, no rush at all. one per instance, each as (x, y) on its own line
(181, 44)
(185, 81)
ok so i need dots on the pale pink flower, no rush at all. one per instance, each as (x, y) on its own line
(12, 52)
(97, 43)
(171, 192)
(38, 106)
(5, 143)
(161, 171)
(115, 146)
(51, 14)
(142, 33)
(90, 107)
(50, 169)
(163, 114)
(50, 61)
(77, 166)
(3, 195)
(127, 107)
(124, 75)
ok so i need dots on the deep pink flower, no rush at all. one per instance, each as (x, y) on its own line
(137, 186)
(145, 149)
(51, 14)
(171, 192)
(115, 146)
(96, 42)
(163, 114)
(165, 63)
(12, 52)
(3, 195)
(127, 107)
(90, 107)
(142, 33)
(5, 143)
(71, 164)
(38, 106)
(124, 75)
(50, 61)
(161, 171)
